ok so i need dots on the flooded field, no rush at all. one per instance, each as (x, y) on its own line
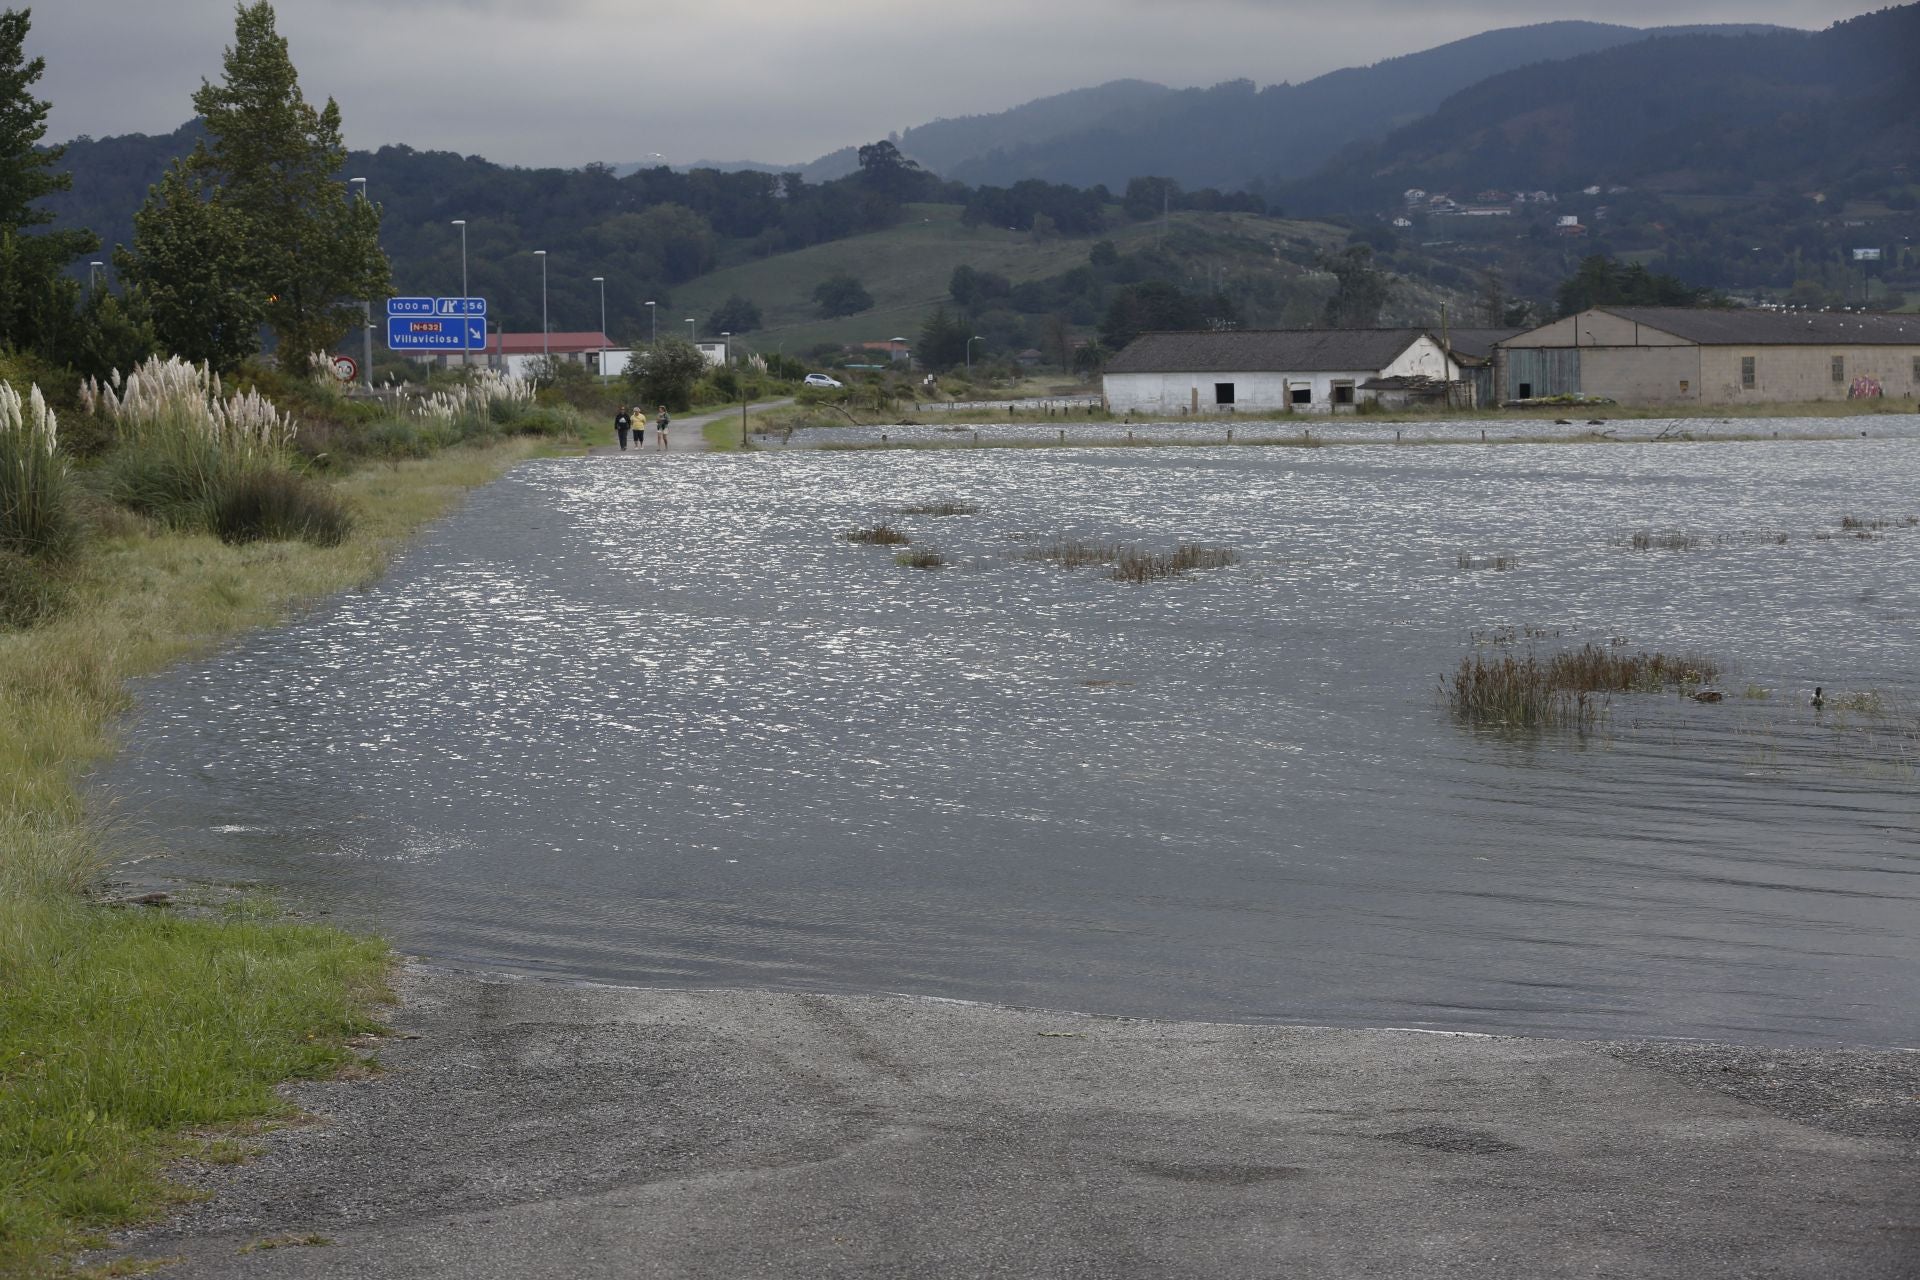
(660, 722)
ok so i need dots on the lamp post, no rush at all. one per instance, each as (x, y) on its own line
(898, 345)
(94, 269)
(602, 282)
(546, 353)
(653, 321)
(692, 334)
(726, 336)
(366, 305)
(466, 355)
(970, 341)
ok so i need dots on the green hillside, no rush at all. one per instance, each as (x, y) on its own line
(906, 268)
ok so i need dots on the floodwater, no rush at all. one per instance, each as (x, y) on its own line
(654, 721)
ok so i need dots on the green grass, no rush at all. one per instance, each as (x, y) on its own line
(907, 268)
(123, 1027)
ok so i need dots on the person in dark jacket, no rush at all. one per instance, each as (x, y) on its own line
(662, 424)
(622, 424)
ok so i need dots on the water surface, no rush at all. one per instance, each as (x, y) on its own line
(654, 721)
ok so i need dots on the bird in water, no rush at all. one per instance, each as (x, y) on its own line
(1819, 698)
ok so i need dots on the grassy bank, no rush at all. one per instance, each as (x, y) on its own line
(127, 1031)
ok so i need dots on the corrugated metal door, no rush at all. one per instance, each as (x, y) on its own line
(1542, 371)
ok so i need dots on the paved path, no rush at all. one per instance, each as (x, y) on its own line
(527, 1129)
(686, 435)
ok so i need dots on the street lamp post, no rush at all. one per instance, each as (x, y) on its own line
(366, 306)
(653, 321)
(693, 335)
(94, 269)
(726, 336)
(602, 282)
(970, 341)
(546, 353)
(466, 354)
(899, 344)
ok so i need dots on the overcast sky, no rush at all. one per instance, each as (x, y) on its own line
(563, 82)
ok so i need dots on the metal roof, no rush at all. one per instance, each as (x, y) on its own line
(1265, 351)
(1752, 328)
(1478, 343)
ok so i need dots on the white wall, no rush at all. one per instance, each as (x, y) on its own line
(1172, 394)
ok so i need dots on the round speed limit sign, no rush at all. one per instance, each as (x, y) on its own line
(346, 368)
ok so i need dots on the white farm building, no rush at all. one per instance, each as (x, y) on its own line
(1264, 370)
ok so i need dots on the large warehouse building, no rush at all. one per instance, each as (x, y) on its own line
(1264, 370)
(1662, 355)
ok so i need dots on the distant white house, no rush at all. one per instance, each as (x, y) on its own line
(714, 349)
(519, 353)
(1263, 370)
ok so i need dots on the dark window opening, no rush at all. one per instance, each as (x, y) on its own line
(1223, 393)
(1343, 393)
(1746, 372)
(1526, 391)
(1303, 395)
(1839, 368)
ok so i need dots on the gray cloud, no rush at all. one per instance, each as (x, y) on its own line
(566, 81)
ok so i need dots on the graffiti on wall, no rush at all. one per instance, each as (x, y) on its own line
(1864, 387)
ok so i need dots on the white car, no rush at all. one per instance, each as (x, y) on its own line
(820, 380)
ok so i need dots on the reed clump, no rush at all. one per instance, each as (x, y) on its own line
(1133, 564)
(1499, 562)
(920, 558)
(1663, 540)
(1568, 689)
(941, 507)
(878, 535)
(1876, 523)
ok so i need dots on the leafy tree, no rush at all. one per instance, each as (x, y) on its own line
(785, 367)
(1103, 254)
(943, 340)
(189, 263)
(974, 289)
(681, 239)
(1157, 305)
(109, 333)
(1090, 359)
(841, 295)
(1362, 290)
(1600, 281)
(665, 374)
(1149, 197)
(311, 253)
(36, 300)
(735, 315)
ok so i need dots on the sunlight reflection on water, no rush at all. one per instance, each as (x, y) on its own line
(655, 721)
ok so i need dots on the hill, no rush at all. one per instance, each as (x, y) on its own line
(1774, 110)
(907, 270)
(1234, 135)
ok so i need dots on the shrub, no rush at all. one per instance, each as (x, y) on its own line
(262, 505)
(36, 506)
(547, 420)
(879, 535)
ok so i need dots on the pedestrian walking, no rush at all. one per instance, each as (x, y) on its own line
(622, 426)
(662, 424)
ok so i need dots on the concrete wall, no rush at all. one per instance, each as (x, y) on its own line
(1642, 375)
(1806, 373)
(1172, 395)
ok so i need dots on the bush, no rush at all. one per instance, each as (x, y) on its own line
(171, 480)
(36, 507)
(548, 420)
(262, 505)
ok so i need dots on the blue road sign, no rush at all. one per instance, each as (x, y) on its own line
(410, 306)
(434, 333)
(459, 306)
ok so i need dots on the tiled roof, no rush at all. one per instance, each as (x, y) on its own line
(1742, 328)
(1478, 343)
(1264, 351)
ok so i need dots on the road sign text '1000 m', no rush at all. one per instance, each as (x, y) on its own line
(426, 333)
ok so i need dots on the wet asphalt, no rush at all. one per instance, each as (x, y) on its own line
(530, 1129)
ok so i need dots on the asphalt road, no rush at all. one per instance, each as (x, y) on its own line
(525, 1129)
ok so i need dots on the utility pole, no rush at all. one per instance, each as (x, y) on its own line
(366, 307)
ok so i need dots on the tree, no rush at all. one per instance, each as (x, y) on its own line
(1103, 254)
(1600, 281)
(943, 340)
(974, 290)
(274, 161)
(841, 295)
(1157, 305)
(189, 264)
(36, 300)
(735, 315)
(664, 374)
(1362, 289)
(1090, 359)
